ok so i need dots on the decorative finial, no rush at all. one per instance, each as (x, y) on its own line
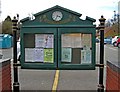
(102, 16)
(14, 17)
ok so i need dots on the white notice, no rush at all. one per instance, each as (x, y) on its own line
(66, 54)
(39, 54)
(49, 41)
(39, 40)
(85, 56)
(29, 54)
(88, 56)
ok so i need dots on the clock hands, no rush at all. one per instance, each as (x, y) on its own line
(57, 17)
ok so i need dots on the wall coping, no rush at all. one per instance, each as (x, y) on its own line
(4, 62)
(115, 66)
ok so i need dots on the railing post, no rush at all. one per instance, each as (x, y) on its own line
(15, 67)
(101, 69)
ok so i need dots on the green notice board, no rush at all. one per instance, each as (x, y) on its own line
(38, 48)
(77, 48)
(57, 38)
(64, 48)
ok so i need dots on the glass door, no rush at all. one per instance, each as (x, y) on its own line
(58, 48)
(39, 48)
(76, 49)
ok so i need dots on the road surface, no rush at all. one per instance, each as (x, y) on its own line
(68, 79)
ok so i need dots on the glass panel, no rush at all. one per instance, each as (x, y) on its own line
(76, 48)
(41, 49)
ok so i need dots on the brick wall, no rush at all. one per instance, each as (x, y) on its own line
(113, 77)
(5, 75)
(0, 78)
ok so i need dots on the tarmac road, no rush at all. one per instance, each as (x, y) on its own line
(68, 79)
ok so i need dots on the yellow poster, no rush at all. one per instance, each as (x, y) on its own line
(48, 55)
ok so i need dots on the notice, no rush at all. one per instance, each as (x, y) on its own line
(66, 40)
(88, 56)
(29, 54)
(49, 41)
(86, 40)
(44, 40)
(85, 56)
(39, 54)
(66, 54)
(39, 40)
(48, 55)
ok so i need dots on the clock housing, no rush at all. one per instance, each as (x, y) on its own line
(57, 15)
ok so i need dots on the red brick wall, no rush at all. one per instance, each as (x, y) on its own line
(0, 78)
(112, 79)
(5, 76)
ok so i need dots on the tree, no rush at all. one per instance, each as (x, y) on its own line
(7, 26)
(8, 18)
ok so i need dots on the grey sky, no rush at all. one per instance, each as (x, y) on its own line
(91, 8)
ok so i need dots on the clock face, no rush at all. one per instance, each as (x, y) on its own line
(57, 16)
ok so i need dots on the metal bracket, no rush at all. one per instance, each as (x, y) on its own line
(100, 65)
(16, 64)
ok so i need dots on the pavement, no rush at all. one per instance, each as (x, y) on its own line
(43, 79)
(6, 53)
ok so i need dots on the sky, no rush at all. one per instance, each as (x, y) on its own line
(91, 8)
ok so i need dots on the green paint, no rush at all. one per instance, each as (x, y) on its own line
(54, 57)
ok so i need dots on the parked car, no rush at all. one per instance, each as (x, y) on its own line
(118, 43)
(108, 40)
(114, 40)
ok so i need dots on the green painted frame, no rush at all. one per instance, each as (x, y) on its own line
(35, 65)
(77, 66)
(58, 31)
(43, 23)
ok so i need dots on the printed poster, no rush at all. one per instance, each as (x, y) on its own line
(48, 55)
(49, 41)
(29, 54)
(86, 40)
(39, 40)
(66, 40)
(39, 54)
(88, 56)
(34, 54)
(66, 54)
(85, 56)
(43, 40)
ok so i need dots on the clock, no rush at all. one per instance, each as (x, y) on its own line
(57, 15)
